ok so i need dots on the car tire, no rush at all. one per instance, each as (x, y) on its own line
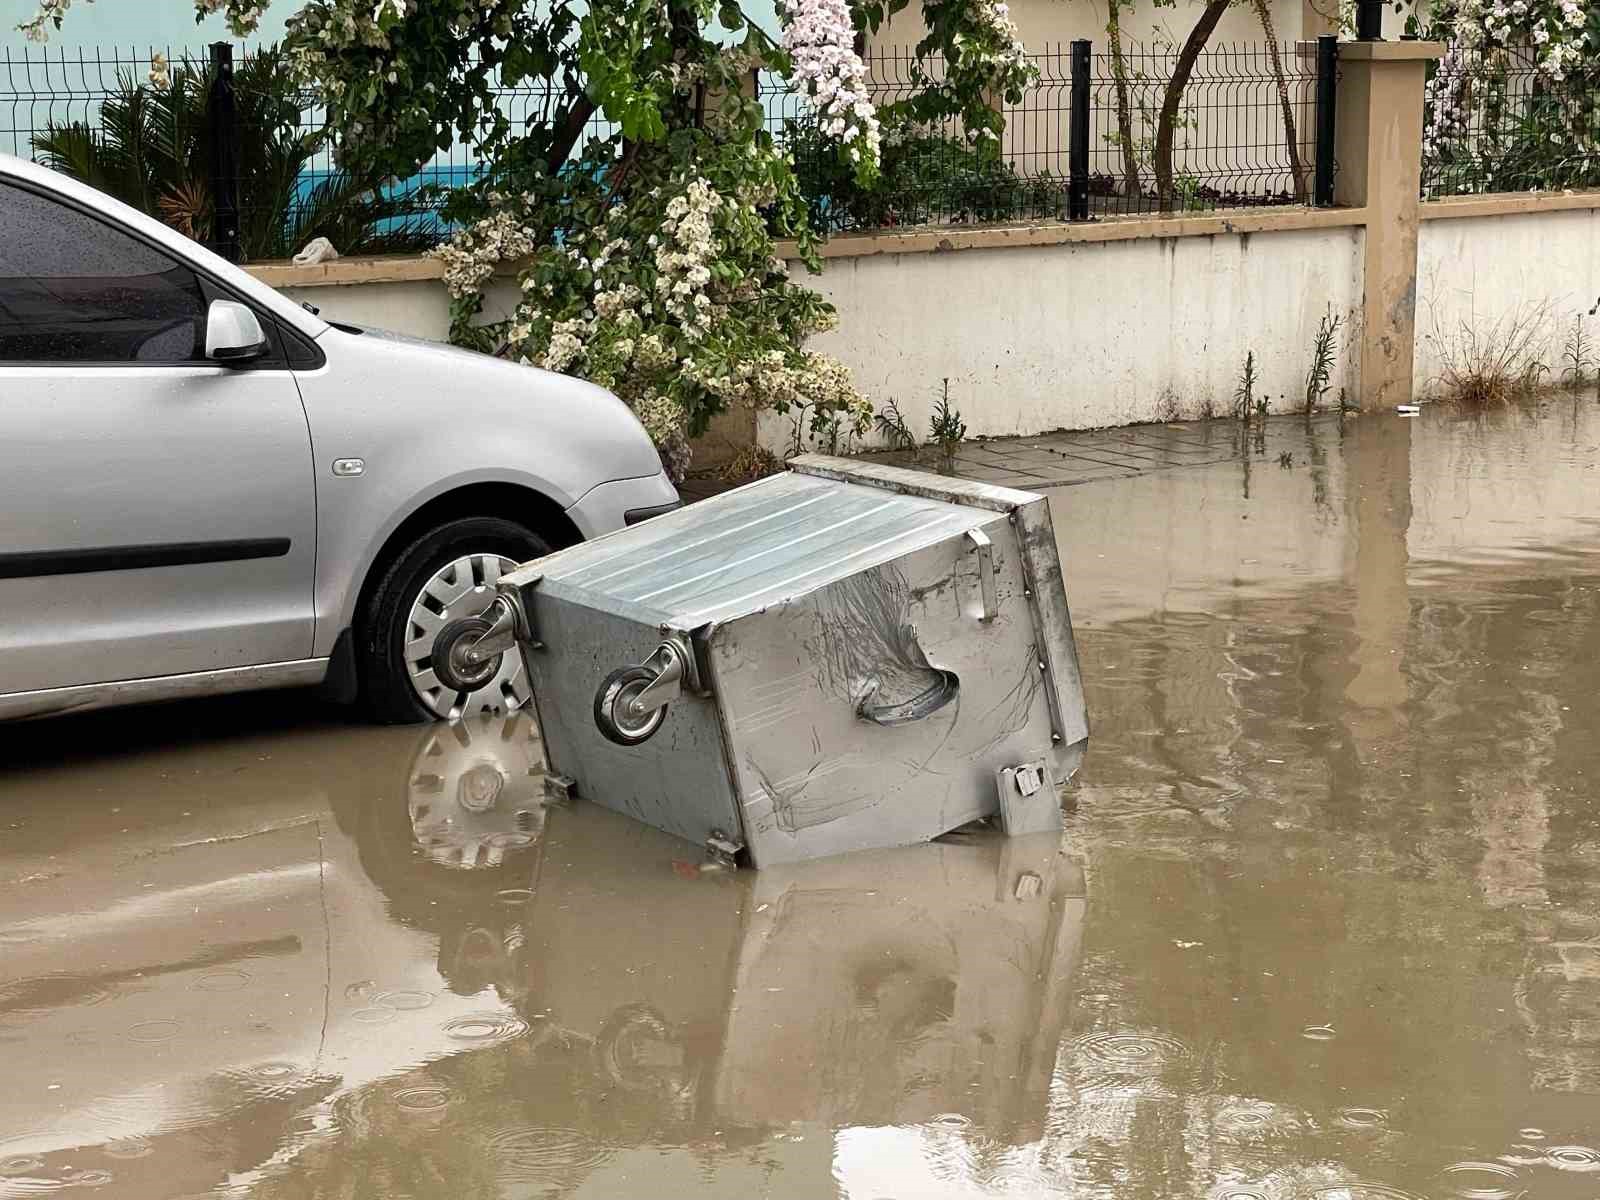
(384, 627)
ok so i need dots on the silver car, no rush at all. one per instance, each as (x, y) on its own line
(204, 487)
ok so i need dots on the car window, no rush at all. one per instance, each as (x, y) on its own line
(75, 289)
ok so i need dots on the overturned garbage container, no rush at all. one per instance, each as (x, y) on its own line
(840, 657)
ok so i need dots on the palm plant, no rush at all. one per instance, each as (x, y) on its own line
(151, 148)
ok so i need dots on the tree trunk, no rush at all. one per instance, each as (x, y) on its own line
(1119, 73)
(1302, 193)
(1192, 46)
(569, 129)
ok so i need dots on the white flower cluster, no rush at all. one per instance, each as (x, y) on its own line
(37, 27)
(994, 18)
(683, 257)
(160, 71)
(820, 39)
(1557, 29)
(470, 257)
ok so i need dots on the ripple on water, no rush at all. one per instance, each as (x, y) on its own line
(128, 1147)
(407, 1000)
(1362, 1119)
(542, 1153)
(1480, 1181)
(37, 1184)
(1573, 1158)
(19, 1164)
(222, 981)
(514, 895)
(1356, 1191)
(423, 1098)
(379, 1015)
(486, 1028)
(1531, 1133)
(1131, 1051)
(1257, 1118)
(162, 1029)
(1318, 1033)
(1242, 1191)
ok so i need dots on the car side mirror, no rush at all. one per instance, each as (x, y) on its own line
(233, 335)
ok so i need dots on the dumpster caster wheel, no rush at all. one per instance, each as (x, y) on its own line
(614, 712)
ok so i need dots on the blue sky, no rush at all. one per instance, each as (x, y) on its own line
(141, 24)
(132, 23)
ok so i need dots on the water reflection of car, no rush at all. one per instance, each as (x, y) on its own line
(211, 489)
(454, 974)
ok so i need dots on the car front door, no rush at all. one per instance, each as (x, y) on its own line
(157, 510)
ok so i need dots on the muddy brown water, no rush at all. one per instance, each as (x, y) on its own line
(1325, 923)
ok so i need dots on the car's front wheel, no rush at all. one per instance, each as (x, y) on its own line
(445, 575)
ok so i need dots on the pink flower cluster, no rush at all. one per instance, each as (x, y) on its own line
(820, 39)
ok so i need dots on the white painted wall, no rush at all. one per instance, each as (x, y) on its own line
(418, 308)
(1088, 335)
(1484, 273)
(1036, 338)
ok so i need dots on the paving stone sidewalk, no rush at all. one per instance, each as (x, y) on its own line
(1065, 459)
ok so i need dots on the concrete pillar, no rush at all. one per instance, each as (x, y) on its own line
(1378, 147)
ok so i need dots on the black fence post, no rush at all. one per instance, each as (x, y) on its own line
(1369, 20)
(1327, 99)
(222, 111)
(1078, 136)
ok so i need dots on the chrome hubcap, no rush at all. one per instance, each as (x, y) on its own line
(462, 588)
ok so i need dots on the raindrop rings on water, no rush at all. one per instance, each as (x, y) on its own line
(1131, 1050)
(1356, 1191)
(514, 895)
(20, 1164)
(161, 1030)
(128, 1147)
(1480, 1181)
(485, 1028)
(374, 1016)
(222, 981)
(1240, 1191)
(1573, 1158)
(1318, 1033)
(424, 1097)
(273, 1070)
(406, 1000)
(542, 1153)
(1531, 1133)
(1356, 1117)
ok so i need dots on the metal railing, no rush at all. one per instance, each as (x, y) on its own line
(1096, 135)
(239, 161)
(1494, 122)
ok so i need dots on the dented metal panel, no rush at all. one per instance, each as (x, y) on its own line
(857, 651)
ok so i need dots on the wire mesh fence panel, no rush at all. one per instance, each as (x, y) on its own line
(1240, 133)
(1493, 122)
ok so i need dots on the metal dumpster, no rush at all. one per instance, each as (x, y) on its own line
(840, 657)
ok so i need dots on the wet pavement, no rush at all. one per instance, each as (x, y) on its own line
(1325, 922)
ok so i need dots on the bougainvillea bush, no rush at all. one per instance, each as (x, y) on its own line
(1511, 106)
(641, 198)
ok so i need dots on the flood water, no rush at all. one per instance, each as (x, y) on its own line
(1325, 922)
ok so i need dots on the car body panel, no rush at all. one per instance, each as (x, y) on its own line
(101, 459)
(204, 454)
(388, 401)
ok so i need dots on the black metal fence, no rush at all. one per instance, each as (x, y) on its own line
(1493, 122)
(231, 149)
(1097, 135)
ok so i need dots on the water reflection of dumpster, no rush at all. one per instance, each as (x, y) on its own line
(883, 987)
(841, 657)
